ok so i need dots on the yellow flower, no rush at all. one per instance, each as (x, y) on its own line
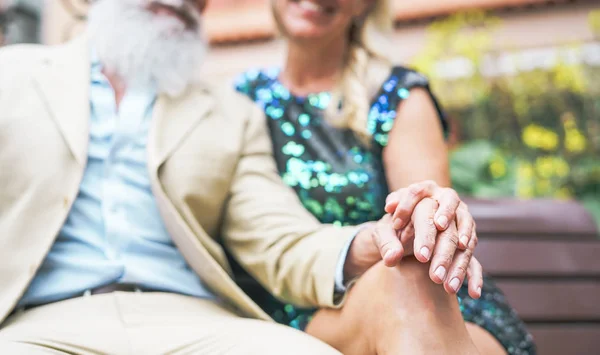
(543, 167)
(525, 176)
(525, 171)
(575, 141)
(561, 167)
(564, 193)
(498, 167)
(543, 187)
(549, 166)
(536, 136)
(525, 191)
(569, 77)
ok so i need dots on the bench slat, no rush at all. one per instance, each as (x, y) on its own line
(561, 339)
(537, 217)
(502, 258)
(542, 301)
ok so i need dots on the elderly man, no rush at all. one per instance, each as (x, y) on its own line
(122, 178)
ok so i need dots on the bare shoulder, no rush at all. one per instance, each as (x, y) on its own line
(417, 104)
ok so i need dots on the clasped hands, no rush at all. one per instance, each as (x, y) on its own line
(429, 222)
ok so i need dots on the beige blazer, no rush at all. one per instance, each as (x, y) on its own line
(212, 173)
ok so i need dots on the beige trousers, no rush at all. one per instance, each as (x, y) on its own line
(147, 324)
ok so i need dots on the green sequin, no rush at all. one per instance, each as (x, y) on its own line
(342, 182)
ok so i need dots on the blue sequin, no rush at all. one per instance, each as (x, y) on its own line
(403, 93)
(341, 181)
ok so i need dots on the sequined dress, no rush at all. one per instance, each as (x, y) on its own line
(341, 181)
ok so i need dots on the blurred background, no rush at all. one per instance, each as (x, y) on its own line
(520, 81)
(518, 78)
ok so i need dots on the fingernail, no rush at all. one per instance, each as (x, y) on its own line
(454, 284)
(442, 221)
(479, 291)
(440, 272)
(425, 252)
(397, 223)
(388, 254)
(464, 240)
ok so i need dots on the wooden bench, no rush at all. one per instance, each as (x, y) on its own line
(545, 255)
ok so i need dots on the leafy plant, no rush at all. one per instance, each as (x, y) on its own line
(530, 133)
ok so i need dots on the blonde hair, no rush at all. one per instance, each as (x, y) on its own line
(367, 43)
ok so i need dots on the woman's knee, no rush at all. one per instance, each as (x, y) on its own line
(406, 285)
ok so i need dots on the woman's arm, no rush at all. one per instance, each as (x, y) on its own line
(416, 150)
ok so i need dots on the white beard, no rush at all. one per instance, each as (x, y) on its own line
(144, 49)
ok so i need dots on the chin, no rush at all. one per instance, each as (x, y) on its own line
(301, 29)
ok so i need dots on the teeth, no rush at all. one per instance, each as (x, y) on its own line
(309, 5)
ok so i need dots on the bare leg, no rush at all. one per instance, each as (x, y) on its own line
(395, 311)
(484, 341)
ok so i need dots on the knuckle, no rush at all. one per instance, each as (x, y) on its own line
(385, 245)
(415, 190)
(450, 237)
(472, 242)
(468, 255)
(460, 270)
(448, 209)
(454, 195)
(445, 259)
(375, 236)
(402, 210)
(431, 232)
(430, 183)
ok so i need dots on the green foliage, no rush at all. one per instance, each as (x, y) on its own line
(478, 168)
(532, 134)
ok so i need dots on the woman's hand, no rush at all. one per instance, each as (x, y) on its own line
(418, 209)
(401, 205)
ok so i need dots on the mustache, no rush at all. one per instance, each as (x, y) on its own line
(184, 9)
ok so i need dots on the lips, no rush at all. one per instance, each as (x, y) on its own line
(311, 6)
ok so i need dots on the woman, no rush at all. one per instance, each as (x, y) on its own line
(348, 127)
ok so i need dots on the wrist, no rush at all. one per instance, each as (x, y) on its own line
(362, 254)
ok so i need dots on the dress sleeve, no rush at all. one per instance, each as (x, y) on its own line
(396, 88)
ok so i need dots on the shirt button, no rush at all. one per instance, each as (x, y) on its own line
(66, 203)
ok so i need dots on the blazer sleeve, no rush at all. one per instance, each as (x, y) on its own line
(272, 235)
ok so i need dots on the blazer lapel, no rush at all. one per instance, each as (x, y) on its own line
(63, 83)
(173, 120)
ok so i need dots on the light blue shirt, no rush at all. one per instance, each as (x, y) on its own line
(114, 232)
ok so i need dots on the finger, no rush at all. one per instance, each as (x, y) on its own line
(443, 254)
(388, 243)
(446, 213)
(391, 201)
(425, 230)
(458, 270)
(466, 226)
(407, 237)
(475, 275)
(407, 200)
